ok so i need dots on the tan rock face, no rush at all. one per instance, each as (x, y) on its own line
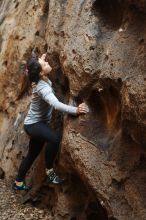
(97, 51)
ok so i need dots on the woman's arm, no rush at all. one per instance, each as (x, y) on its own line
(47, 95)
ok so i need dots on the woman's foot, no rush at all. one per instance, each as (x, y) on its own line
(18, 186)
(52, 177)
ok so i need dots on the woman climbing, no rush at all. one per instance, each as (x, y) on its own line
(36, 123)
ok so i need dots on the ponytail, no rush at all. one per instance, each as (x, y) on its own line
(25, 85)
(31, 75)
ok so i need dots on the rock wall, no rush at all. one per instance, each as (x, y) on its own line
(97, 51)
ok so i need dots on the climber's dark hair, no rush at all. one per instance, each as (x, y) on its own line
(31, 75)
(33, 70)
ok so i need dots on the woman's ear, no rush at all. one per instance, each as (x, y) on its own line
(41, 73)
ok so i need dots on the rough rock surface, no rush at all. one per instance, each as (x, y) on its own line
(97, 51)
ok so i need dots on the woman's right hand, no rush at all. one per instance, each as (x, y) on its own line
(82, 108)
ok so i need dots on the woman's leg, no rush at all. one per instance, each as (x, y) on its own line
(40, 133)
(50, 136)
(51, 150)
(35, 146)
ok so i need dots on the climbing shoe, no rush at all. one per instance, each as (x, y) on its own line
(24, 187)
(53, 178)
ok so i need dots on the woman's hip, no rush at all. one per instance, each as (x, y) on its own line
(42, 130)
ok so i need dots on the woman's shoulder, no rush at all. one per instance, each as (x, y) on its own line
(44, 85)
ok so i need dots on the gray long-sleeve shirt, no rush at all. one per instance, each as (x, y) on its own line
(42, 103)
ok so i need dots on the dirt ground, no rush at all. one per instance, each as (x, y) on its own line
(11, 208)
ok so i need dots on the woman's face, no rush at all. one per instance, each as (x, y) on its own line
(46, 68)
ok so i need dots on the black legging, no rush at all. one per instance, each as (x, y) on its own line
(39, 133)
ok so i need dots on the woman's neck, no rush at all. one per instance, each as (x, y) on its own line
(45, 78)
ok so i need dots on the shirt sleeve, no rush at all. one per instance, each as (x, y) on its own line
(47, 95)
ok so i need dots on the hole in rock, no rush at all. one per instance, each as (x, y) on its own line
(5, 63)
(93, 216)
(37, 33)
(74, 51)
(46, 47)
(92, 48)
(73, 218)
(93, 206)
(2, 173)
(103, 122)
(141, 41)
(17, 4)
(96, 211)
(110, 12)
(12, 103)
(46, 7)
